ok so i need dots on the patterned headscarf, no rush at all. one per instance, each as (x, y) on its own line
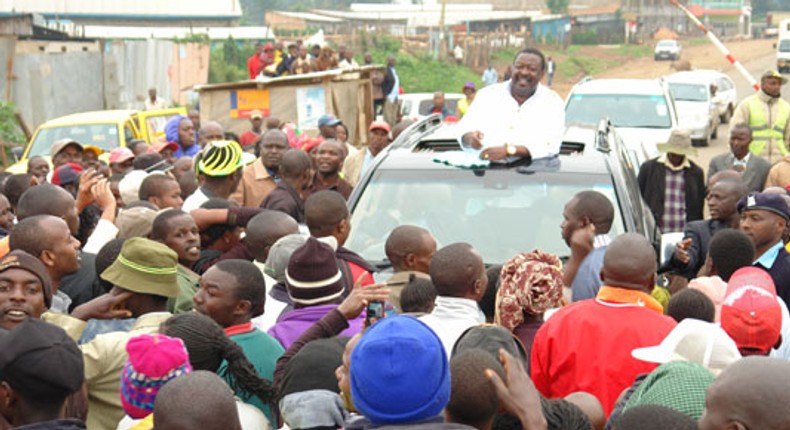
(529, 283)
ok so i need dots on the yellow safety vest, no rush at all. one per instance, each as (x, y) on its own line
(762, 129)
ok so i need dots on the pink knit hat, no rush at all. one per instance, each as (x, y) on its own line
(153, 360)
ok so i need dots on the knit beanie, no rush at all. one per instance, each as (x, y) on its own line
(153, 360)
(312, 276)
(399, 372)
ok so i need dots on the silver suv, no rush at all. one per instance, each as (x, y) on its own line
(642, 110)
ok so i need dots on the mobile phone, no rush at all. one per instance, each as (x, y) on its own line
(375, 310)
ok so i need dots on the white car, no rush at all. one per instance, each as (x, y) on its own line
(667, 49)
(418, 105)
(725, 95)
(642, 110)
(697, 112)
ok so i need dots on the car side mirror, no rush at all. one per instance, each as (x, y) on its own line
(17, 152)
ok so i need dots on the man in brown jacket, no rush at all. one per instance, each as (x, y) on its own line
(260, 177)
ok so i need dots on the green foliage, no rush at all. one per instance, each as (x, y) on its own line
(584, 37)
(635, 51)
(228, 62)
(557, 6)
(10, 132)
(193, 38)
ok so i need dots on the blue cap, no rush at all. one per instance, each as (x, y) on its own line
(399, 372)
(328, 119)
(764, 201)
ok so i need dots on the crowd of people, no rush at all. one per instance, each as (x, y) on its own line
(205, 283)
(277, 59)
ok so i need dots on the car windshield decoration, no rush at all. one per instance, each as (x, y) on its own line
(689, 92)
(501, 211)
(105, 136)
(623, 110)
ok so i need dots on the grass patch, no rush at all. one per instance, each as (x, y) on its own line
(696, 41)
(635, 51)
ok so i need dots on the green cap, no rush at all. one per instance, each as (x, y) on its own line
(145, 267)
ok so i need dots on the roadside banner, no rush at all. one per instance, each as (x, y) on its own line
(310, 105)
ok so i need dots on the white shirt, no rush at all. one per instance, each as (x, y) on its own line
(194, 201)
(538, 123)
(272, 308)
(451, 317)
(346, 65)
(158, 104)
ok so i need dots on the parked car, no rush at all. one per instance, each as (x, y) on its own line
(105, 129)
(641, 109)
(667, 49)
(725, 95)
(501, 209)
(697, 111)
(418, 105)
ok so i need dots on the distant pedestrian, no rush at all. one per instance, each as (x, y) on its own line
(672, 185)
(490, 76)
(252, 136)
(550, 69)
(390, 87)
(469, 96)
(154, 102)
(458, 54)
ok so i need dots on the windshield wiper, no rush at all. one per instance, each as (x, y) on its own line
(381, 264)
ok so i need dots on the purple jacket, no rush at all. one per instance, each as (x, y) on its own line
(292, 324)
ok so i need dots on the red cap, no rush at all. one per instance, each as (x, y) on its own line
(159, 147)
(311, 143)
(66, 174)
(751, 313)
(268, 45)
(119, 155)
(379, 125)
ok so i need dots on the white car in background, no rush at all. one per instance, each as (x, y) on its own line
(418, 105)
(725, 95)
(667, 49)
(642, 110)
(697, 111)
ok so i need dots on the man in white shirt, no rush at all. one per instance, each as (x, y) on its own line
(490, 76)
(458, 273)
(516, 118)
(153, 102)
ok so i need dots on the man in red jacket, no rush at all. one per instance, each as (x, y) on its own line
(587, 346)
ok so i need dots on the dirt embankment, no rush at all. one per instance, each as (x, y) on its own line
(701, 56)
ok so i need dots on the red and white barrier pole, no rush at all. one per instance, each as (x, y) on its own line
(716, 42)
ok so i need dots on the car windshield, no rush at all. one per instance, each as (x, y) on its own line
(500, 212)
(427, 105)
(688, 92)
(623, 110)
(105, 136)
(667, 44)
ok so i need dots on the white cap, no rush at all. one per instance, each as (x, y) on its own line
(693, 340)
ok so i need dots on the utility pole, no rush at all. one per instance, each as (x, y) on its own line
(442, 40)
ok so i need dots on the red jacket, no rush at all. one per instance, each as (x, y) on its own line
(254, 66)
(587, 347)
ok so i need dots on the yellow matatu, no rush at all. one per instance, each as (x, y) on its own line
(107, 129)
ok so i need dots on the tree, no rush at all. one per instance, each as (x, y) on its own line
(557, 6)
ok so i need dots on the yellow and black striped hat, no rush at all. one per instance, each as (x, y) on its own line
(220, 158)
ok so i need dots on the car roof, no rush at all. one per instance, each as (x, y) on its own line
(93, 117)
(619, 86)
(412, 157)
(691, 77)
